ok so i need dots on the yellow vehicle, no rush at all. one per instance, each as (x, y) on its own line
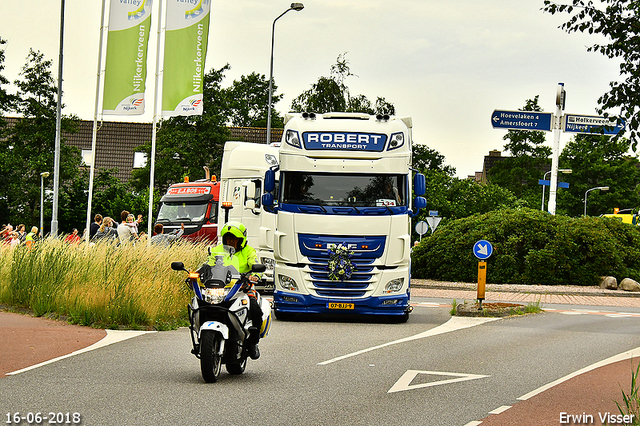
(627, 217)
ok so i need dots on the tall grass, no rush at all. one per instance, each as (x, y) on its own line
(632, 400)
(103, 285)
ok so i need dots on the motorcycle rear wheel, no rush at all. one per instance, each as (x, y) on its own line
(210, 358)
(238, 366)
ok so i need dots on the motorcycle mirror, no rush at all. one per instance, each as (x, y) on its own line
(178, 266)
(258, 267)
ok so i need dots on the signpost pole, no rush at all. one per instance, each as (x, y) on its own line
(482, 282)
(553, 187)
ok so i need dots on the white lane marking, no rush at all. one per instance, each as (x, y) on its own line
(455, 323)
(473, 423)
(113, 336)
(500, 409)
(620, 357)
(404, 382)
(430, 305)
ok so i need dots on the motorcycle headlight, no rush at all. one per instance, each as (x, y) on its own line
(394, 285)
(287, 283)
(213, 295)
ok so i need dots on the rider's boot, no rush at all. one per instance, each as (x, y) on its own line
(252, 343)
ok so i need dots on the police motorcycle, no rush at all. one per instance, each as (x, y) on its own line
(220, 324)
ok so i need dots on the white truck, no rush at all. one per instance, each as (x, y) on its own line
(243, 168)
(342, 239)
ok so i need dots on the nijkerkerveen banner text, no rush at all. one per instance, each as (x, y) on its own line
(185, 49)
(126, 62)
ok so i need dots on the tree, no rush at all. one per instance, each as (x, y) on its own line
(427, 160)
(521, 171)
(619, 22)
(597, 160)
(28, 148)
(6, 105)
(331, 94)
(455, 198)
(185, 144)
(248, 100)
(6, 99)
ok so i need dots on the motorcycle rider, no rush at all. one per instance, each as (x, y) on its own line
(234, 234)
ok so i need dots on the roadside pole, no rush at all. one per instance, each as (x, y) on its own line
(557, 125)
(482, 250)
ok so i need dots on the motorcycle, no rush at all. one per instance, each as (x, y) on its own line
(220, 325)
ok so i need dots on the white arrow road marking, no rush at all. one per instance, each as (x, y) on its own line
(113, 336)
(455, 323)
(404, 383)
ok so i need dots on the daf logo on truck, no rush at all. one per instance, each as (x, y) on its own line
(344, 141)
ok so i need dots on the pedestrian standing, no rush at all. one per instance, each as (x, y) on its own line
(95, 225)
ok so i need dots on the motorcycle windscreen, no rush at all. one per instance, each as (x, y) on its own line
(223, 265)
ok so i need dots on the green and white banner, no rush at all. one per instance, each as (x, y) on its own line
(126, 63)
(185, 49)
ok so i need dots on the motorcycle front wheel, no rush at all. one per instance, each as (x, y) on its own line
(210, 357)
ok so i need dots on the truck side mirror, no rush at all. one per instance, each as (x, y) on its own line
(269, 181)
(419, 203)
(419, 184)
(267, 199)
(250, 189)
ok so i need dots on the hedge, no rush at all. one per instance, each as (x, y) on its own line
(531, 247)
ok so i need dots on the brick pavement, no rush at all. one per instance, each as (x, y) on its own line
(460, 294)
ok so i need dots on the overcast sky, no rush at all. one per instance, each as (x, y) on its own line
(447, 65)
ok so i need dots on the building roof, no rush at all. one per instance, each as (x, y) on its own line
(116, 141)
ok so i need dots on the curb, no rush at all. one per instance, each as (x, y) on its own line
(532, 290)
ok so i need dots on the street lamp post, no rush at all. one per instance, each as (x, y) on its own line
(42, 176)
(545, 178)
(602, 188)
(296, 7)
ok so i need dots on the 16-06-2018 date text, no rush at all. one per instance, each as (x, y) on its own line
(38, 418)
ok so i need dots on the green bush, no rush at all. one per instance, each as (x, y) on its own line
(531, 247)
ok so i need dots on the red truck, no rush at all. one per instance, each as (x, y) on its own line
(196, 205)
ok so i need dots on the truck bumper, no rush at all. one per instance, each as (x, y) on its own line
(295, 303)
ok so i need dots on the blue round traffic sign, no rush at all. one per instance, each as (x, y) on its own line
(482, 249)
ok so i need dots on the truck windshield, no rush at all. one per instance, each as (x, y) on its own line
(376, 190)
(175, 212)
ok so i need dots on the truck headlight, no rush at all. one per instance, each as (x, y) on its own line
(292, 138)
(287, 283)
(269, 262)
(394, 285)
(396, 141)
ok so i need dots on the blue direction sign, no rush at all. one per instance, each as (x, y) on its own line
(482, 249)
(522, 120)
(591, 124)
(548, 183)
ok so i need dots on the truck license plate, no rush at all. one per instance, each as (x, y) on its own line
(334, 305)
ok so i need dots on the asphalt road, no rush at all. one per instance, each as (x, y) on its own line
(429, 371)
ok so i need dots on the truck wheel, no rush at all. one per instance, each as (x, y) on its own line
(281, 316)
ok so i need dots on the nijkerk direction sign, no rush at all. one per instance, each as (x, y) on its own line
(522, 120)
(591, 124)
